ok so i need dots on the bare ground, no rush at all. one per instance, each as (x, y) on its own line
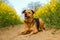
(11, 33)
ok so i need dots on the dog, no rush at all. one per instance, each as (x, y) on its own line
(32, 25)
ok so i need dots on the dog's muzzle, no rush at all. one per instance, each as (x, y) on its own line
(27, 16)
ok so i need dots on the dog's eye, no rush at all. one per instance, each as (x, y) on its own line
(29, 12)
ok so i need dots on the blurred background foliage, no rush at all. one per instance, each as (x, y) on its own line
(34, 5)
(50, 13)
(8, 15)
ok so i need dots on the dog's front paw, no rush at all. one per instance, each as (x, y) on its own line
(32, 33)
(22, 33)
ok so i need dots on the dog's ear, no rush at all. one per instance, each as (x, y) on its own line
(23, 11)
(32, 11)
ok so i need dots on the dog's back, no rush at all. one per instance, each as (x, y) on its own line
(39, 23)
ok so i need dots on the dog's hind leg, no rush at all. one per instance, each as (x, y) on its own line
(41, 25)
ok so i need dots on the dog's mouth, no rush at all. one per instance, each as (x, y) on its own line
(27, 16)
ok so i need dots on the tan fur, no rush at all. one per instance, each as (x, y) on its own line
(41, 24)
(30, 27)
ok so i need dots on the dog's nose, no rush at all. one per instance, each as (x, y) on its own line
(25, 15)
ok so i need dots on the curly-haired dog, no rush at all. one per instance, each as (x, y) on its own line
(32, 25)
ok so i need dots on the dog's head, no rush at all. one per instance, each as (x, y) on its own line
(28, 13)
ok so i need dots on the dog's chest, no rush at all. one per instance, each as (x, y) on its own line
(30, 24)
(33, 22)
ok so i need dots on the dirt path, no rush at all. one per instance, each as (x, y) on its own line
(12, 34)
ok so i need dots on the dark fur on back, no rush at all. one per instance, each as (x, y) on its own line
(37, 23)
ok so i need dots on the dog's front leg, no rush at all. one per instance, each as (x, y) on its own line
(33, 32)
(33, 29)
(25, 31)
